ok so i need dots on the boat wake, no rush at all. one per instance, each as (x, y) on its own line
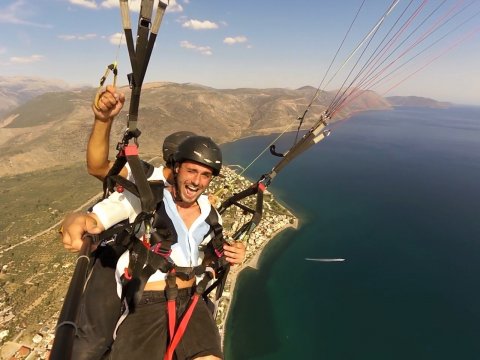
(325, 260)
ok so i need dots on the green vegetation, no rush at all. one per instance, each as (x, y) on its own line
(35, 275)
(35, 201)
(42, 109)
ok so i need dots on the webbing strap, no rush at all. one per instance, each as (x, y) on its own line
(316, 134)
(108, 181)
(141, 52)
(113, 179)
(139, 57)
(256, 189)
(181, 328)
(147, 198)
(186, 316)
(172, 318)
(134, 279)
(109, 233)
(172, 293)
(216, 233)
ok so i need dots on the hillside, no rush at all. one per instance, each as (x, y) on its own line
(52, 129)
(416, 101)
(17, 90)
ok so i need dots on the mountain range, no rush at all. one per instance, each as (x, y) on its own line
(47, 123)
(16, 90)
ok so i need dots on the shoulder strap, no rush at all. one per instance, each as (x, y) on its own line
(215, 234)
(147, 168)
(156, 187)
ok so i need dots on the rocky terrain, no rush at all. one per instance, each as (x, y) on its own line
(52, 128)
(416, 101)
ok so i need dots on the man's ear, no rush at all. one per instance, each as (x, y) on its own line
(176, 168)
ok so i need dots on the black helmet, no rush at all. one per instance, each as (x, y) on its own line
(202, 150)
(170, 145)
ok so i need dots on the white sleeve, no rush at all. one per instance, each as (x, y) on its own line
(220, 219)
(117, 207)
(120, 206)
(157, 174)
(129, 172)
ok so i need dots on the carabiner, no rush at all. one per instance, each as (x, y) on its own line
(113, 68)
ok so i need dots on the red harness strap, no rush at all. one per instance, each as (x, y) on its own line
(181, 327)
(175, 336)
(171, 310)
(172, 292)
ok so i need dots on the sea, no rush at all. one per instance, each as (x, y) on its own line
(397, 195)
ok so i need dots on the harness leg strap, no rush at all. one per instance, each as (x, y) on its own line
(172, 293)
(186, 317)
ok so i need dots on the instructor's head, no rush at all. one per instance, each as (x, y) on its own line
(170, 146)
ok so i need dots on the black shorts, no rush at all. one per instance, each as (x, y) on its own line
(100, 308)
(144, 335)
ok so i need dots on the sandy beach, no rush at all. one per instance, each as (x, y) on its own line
(251, 262)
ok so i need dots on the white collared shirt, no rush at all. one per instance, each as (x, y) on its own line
(120, 206)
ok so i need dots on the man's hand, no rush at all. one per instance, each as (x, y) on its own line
(235, 253)
(109, 104)
(74, 226)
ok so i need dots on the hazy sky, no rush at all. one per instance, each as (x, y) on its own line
(265, 43)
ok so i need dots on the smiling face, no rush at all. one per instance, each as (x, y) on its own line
(192, 180)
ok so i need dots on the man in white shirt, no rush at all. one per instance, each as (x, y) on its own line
(185, 205)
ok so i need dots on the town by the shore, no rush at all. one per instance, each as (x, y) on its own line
(250, 262)
(275, 219)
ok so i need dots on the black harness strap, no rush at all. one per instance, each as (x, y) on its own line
(256, 189)
(213, 256)
(148, 257)
(152, 254)
(139, 58)
(113, 178)
(176, 334)
(140, 54)
(215, 236)
(147, 198)
(134, 278)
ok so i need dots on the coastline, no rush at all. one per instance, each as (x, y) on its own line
(253, 261)
(276, 217)
(250, 262)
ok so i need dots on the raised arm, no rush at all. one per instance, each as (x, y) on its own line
(108, 106)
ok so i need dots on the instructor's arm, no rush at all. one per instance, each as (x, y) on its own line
(108, 106)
